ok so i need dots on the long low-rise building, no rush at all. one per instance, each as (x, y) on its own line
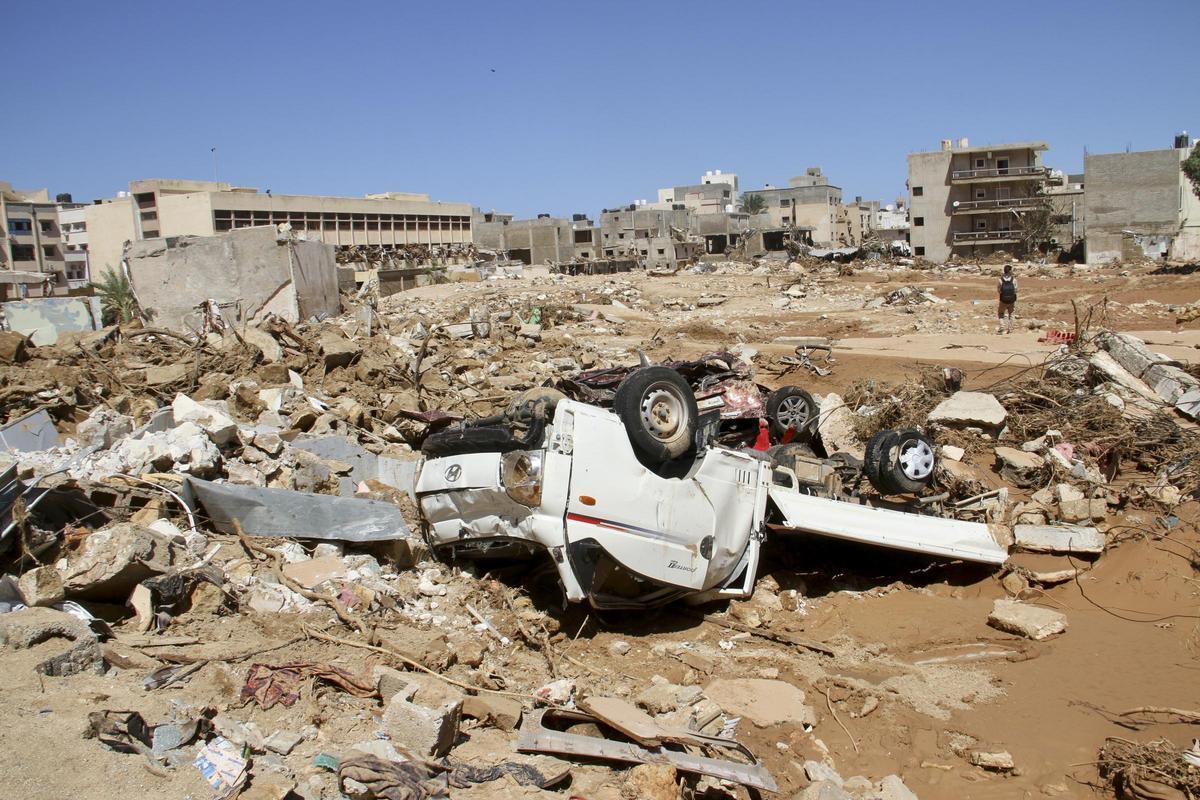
(154, 208)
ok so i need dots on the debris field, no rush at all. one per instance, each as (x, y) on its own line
(219, 577)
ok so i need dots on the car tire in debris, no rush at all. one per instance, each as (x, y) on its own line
(791, 407)
(456, 441)
(873, 458)
(658, 409)
(907, 462)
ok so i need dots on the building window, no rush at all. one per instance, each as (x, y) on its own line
(980, 194)
(608, 252)
(981, 224)
(620, 236)
(725, 193)
(979, 162)
(786, 220)
(661, 251)
(918, 221)
(20, 227)
(47, 226)
(919, 251)
(23, 252)
(918, 191)
(50, 251)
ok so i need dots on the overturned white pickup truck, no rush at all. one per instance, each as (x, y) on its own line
(621, 534)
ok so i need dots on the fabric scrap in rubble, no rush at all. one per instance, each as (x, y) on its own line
(269, 685)
(417, 780)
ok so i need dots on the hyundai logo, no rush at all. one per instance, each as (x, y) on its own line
(453, 473)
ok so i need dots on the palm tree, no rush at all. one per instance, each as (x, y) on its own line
(118, 303)
(754, 203)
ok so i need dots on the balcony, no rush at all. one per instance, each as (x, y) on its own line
(997, 174)
(987, 237)
(1002, 204)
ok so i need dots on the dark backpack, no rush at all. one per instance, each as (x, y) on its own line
(1008, 289)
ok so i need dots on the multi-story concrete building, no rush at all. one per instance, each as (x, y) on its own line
(858, 219)
(72, 223)
(1141, 204)
(891, 222)
(660, 237)
(201, 208)
(970, 201)
(542, 240)
(809, 201)
(31, 255)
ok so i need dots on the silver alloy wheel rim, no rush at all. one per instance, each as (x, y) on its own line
(916, 459)
(663, 414)
(793, 412)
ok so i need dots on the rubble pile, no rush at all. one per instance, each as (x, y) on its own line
(219, 533)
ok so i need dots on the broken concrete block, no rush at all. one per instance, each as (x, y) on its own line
(1106, 368)
(283, 742)
(208, 416)
(166, 375)
(1019, 467)
(819, 771)
(824, 790)
(619, 648)
(995, 760)
(951, 452)
(893, 788)
(1032, 622)
(763, 702)
(114, 560)
(103, 428)
(424, 731)
(13, 347)
(265, 343)
(659, 698)
(835, 426)
(338, 351)
(962, 409)
(244, 474)
(41, 586)
(1058, 539)
(502, 712)
(1065, 493)
(32, 626)
(270, 443)
(1082, 510)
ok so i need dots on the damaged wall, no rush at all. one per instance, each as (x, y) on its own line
(45, 318)
(248, 272)
(1142, 193)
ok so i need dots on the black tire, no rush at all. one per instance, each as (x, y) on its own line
(909, 462)
(659, 412)
(791, 407)
(457, 441)
(873, 459)
(784, 455)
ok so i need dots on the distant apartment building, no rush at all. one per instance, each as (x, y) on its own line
(716, 193)
(154, 208)
(72, 223)
(31, 247)
(1141, 204)
(891, 222)
(857, 221)
(543, 240)
(808, 201)
(969, 201)
(660, 237)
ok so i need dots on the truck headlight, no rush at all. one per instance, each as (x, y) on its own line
(521, 474)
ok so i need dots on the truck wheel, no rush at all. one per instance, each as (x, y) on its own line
(875, 457)
(910, 460)
(659, 412)
(791, 407)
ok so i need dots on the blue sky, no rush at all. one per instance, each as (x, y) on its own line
(589, 104)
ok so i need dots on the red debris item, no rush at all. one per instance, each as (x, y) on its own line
(1058, 337)
(788, 435)
(1066, 450)
(268, 685)
(764, 436)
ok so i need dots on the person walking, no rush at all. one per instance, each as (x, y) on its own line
(1007, 288)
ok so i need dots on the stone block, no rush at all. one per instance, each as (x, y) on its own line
(425, 732)
(962, 409)
(208, 416)
(112, 561)
(41, 586)
(1058, 539)
(1032, 622)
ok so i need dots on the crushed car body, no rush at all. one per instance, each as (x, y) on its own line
(624, 533)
